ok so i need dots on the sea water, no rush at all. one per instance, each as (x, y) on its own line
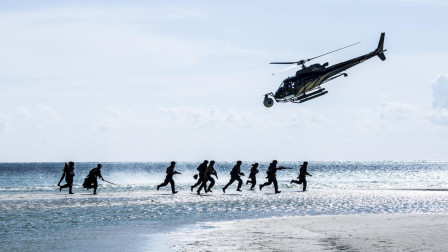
(133, 215)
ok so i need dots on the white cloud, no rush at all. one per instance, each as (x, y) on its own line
(440, 116)
(3, 123)
(205, 118)
(107, 118)
(91, 46)
(404, 117)
(22, 110)
(363, 122)
(107, 14)
(400, 115)
(399, 111)
(298, 117)
(47, 114)
(112, 118)
(112, 112)
(46, 140)
(47, 109)
(38, 117)
(229, 118)
(440, 91)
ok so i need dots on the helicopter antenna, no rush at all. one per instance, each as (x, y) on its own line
(302, 62)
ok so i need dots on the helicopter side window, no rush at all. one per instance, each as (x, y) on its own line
(289, 86)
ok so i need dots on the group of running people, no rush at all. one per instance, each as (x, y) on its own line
(91, 181)
(205, 172)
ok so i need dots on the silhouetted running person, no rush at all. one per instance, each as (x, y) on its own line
(201, 169)
(68, 173)
(235, 175)
(169, 177)
(272, 177)
(302, 175)
(253, 176)
(208, 177)
(91, 180)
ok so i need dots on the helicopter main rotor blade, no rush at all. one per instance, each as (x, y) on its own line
(332, 51)
(295, 62)
(302, 62)
(285, 69)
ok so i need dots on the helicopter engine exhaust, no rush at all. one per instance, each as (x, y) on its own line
(268, 102)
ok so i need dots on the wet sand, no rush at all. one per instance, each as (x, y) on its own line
(385, 232)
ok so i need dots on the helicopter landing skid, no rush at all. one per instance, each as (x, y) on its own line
(268, 102)
(310, 97)
(305, 97)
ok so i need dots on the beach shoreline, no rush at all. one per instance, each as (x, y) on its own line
(380, 232)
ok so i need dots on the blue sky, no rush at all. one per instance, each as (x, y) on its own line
(178, 80)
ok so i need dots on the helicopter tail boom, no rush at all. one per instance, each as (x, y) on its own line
(380, 51)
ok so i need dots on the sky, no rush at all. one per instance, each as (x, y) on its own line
(185, 81)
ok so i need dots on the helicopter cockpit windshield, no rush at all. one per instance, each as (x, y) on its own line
(285, 89)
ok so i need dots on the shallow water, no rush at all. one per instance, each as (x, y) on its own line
(42, 177)
(36, 216)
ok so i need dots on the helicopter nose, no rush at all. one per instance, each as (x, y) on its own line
(278, 95)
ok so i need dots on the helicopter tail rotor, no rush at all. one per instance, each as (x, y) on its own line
(380, 51)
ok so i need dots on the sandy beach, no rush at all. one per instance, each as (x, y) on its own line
(386, 232)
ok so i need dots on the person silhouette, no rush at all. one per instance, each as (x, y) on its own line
(235, 175)
(91, 180)
(252, 176)
(201, 169)
(169, 177)
(68, 173)
(208, 177)
(302, 175)
(272, 177)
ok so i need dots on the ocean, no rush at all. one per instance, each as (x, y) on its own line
(134, 216)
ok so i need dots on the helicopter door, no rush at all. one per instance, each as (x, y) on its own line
(301, 85)
(289, 87)
(294, 86)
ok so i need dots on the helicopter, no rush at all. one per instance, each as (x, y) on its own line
(306, 84)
